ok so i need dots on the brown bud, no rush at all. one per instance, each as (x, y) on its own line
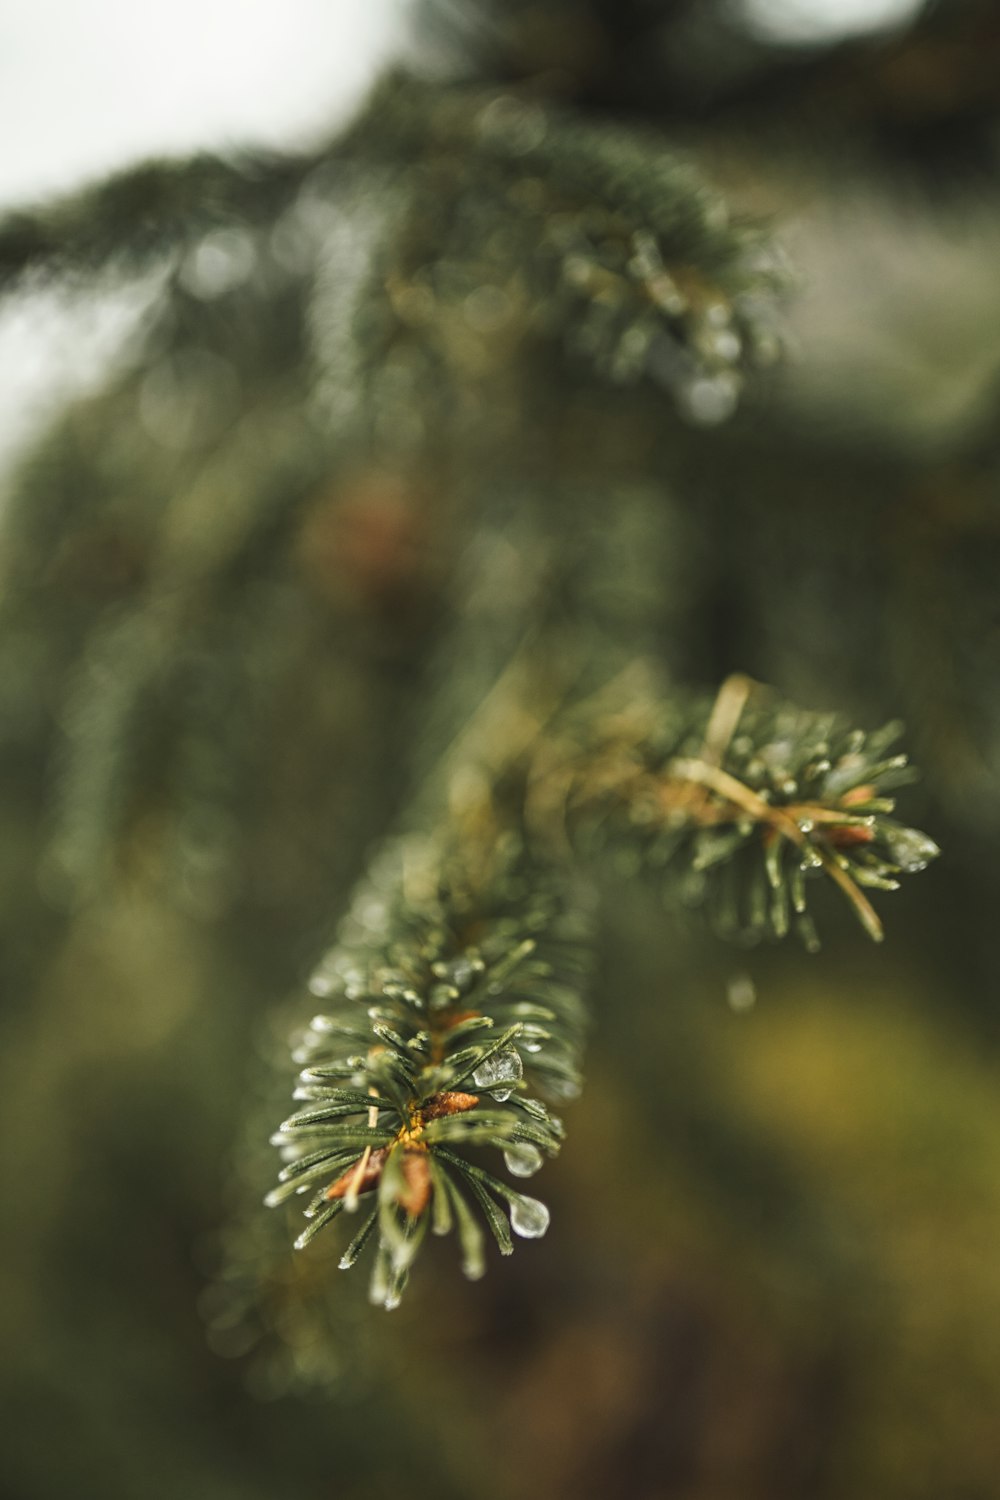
(417, 1175)
(843, 836)
(448, 1104)
(366, 1179)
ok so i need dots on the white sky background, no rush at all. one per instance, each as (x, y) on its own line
(87, 86)
(825, 20)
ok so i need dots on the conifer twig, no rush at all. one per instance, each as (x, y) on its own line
(451, 973)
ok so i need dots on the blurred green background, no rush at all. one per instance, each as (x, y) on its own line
(230, 644)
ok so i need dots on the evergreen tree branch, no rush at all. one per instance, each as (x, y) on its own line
(137, 215)
(620, 247)
(610, 241)
(458, 970)
(740, 803)
(461, 965)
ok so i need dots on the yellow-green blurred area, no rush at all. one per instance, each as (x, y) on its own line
(231, 645)
(772, 1269)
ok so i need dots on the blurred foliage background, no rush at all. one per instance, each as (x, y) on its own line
(251, 586)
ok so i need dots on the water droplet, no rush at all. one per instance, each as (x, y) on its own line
(528, 1217)
(498, 1074)
(443, 996)
(725, 344)
(372, 915)
(378, 1287)
(741, 992)
(465, 970)
(522, 1159)
(222, 260)
(910, 849)
(710, 399)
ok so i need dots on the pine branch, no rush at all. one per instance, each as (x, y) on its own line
(136, 216)
(625, 252)
(461, 965)
(607, 240)
(740, 804)
(451, 976)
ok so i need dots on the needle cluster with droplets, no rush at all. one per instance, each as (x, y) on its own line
(454, 1017)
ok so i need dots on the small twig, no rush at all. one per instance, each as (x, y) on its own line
(783, 821)
(354, 1186)
(867, 914)
(741, 796)
(726, 713)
